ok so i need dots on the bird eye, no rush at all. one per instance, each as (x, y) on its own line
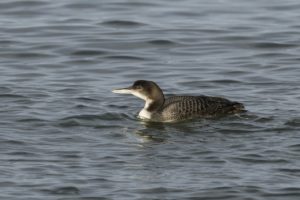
(138, 87)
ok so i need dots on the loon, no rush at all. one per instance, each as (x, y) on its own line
(177, 108)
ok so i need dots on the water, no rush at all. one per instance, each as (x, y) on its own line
(64, 135)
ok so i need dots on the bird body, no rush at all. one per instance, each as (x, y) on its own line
(178, 108)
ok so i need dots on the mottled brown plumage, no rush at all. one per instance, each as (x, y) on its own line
(187, 107)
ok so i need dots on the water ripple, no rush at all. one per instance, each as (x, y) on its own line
(293, 122)
(63, 190)
(272, 45)
(92, 120)
(162, 42)
(122, 23)
(125, 57)
(88, 53)
(22, 4)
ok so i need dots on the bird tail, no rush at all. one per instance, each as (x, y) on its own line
(238, 107)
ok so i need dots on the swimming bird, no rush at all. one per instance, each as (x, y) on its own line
(176, 108)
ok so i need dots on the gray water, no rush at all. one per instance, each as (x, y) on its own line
(64, 135)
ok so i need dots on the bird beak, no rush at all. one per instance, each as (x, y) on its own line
(127, 90)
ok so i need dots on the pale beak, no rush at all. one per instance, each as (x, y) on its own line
(127, 90)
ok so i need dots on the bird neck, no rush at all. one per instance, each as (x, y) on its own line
(154, 104)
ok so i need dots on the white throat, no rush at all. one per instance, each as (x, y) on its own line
(144, 113)
(139, 95)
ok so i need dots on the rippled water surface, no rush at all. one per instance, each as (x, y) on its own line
(64, 135)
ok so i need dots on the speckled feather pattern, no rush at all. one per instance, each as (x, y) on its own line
(185, 107)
